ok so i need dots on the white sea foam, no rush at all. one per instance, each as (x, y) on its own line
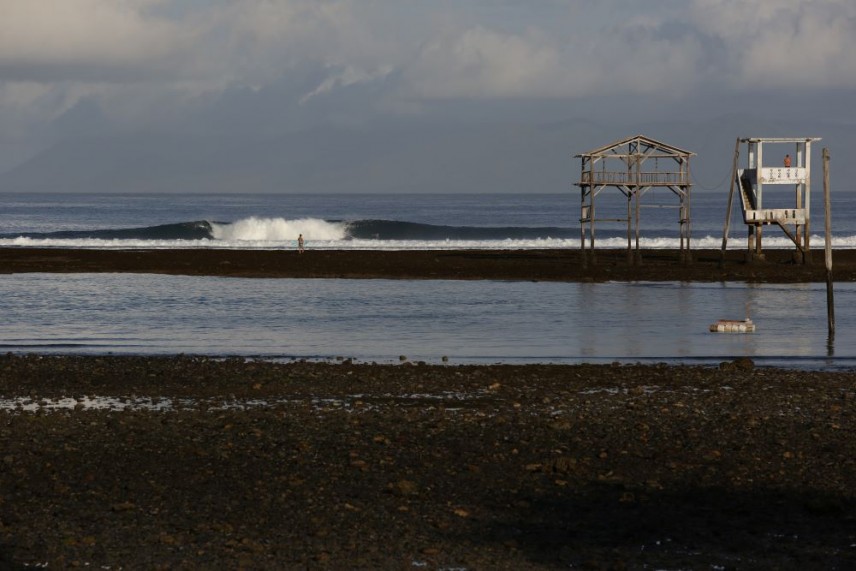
(101, 244)
(168, 404)
(277, 230)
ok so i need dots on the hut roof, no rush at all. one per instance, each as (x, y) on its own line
(613, 149)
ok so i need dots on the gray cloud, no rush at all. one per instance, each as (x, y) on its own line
(441, 49)
(781, 43)
(82, 40)
(260, 68)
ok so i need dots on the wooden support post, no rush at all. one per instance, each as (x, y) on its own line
(751, 245)
(688, 223)
(830, 302)
(629, 229)
(592, 213)
(638, 257)
(583, 223)
(636, 194)
(730, 201)
(807, 204)
(798, 228)
(681, 226)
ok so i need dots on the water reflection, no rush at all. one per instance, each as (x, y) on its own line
(382, 319)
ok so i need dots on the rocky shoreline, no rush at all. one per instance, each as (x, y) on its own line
(201, 463)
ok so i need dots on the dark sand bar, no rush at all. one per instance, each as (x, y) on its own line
(542, 265)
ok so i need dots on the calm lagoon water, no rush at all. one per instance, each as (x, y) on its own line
(378, 320)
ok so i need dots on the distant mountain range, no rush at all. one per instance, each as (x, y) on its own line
(398, 157)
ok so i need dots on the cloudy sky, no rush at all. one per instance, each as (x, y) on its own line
(246, 70)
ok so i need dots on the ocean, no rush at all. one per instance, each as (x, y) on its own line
(376, 221)
(384, 320)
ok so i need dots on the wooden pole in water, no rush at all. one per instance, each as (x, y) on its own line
(830, 302)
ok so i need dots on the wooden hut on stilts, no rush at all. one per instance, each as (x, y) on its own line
(633, 166)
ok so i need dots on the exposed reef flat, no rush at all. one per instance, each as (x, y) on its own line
(200, 463)
(546, 265)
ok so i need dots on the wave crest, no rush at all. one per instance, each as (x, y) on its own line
(277, 229)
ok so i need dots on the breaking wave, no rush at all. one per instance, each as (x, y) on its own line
(272, 233)
(256, 229)
(277, 230)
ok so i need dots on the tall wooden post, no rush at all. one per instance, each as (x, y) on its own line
(592, 195)
(583, 216)
(830, 302)
(730, 200)
(638, 256)
(807, 205)
(629, 229)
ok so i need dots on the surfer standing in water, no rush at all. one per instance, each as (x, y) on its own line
(300, 244)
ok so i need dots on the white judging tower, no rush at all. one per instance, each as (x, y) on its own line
(771, 164)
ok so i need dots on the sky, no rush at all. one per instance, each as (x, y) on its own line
(323, 95)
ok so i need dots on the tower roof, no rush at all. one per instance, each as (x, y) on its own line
(651, 146)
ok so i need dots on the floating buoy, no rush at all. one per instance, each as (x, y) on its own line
(733, 326)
